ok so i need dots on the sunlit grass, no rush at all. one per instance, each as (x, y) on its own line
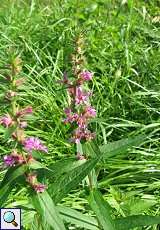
(122, 49)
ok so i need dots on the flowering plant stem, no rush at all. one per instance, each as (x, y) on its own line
(79, 111)
(15, 121)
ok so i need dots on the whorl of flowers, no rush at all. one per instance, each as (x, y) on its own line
(79, 112)
(15, 121)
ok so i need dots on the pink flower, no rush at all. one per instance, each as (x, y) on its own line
(39, 188)
(23, 124)
(82, 134)
(71, 117)
(81, 121)
(86, 75)
(6, 121)
(9, 160)
(77, 136)
(90, 112)
(33, 143)
(25, 111)
(19, 159)
(81, 97)
(32, 180)
(88, 135)
(13, 159)
(67, 111)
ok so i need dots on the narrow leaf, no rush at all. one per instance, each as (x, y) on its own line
(44, 205)
(91, 149)
(12, 174)
(8, 182)
(77, 218)
(63, 166)
(4, 193)
(66, 183)
(120, 146)
(132, 222)
(101, 209)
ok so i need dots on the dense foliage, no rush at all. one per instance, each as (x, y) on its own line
(110, 182)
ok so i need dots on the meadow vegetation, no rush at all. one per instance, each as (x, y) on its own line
(122, 40)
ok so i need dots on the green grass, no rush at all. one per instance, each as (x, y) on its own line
(122, 49)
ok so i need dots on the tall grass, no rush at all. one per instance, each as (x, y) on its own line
(122, 49)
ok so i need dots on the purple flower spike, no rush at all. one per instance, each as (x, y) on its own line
(33, 143)
(9, 160)
(86, 75)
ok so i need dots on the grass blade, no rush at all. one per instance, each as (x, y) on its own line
(77, 218)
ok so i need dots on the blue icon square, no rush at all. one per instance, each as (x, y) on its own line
(10, 219)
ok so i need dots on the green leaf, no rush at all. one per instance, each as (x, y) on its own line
(117, 147)
(8, 182)
(37, 165)
(132, 222)
(101, 209)
(91, 149)
(4, 193)
(38, 155)
(67, 182)
(136, 205)
(44, 205)
(74, 217)
(63, 166)
(12, 174)
(8, 132)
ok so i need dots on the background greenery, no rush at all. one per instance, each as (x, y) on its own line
(122, 49)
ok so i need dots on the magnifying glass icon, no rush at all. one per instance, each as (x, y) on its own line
(9, 217)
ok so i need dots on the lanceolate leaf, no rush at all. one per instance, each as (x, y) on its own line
(132, 222)
(7, 184)
(12, 174)
(17, 171)
(10, 177)
(66, 183)
(101, 209)
(74, 217)
(4, 193)
(117, 147)
(63, 166)
(44, 205)
(37, 165)
(91, 149)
